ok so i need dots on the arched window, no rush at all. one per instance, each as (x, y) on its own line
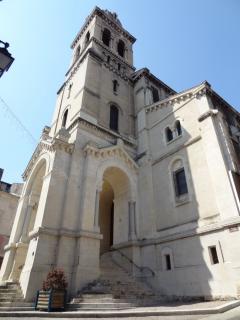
(64, 121)
(180, 182)
(121, 48)
(119, 66)
(169, 134)
(106, 37)
(87, 38)
(113, 118)
(108, 59)
(178, 128)
(115, 86)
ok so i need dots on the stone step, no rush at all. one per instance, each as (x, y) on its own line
(12, 298)
(93, 295)
(102, 305)
(114, 289)
(16, 304)
(16, 308)
(8, 291)
(103, 300)
(10, 285)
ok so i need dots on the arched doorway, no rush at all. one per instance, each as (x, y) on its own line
(114, 214)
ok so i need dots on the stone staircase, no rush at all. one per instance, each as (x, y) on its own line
(11, 298)
(115, 289)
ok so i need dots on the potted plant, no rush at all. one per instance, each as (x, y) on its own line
(52, 297)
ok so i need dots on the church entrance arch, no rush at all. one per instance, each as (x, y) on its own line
(115, 208)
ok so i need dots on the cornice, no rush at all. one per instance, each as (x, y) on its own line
(146, 73)
(64, 233)
(75, 66)
(177, 98)
(104, 16)
(116, 151)
(82, 56)
(101, 132)
(114, 70)
(112, 53)
(180, 235)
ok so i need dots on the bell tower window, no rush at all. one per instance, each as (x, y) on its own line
(178, 128)
(113, 118)
(169, 134)
(121, 48)
(77, 54)
(69, 91)
(115, 86)
(87, 38)
(106, 37)
(65, 118)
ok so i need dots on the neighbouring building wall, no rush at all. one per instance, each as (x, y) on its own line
(9, 196)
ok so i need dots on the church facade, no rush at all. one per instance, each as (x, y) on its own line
(130, 166)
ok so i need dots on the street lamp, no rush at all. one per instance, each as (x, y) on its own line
(5, 58)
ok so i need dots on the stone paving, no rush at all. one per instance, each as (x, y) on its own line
(233, 314)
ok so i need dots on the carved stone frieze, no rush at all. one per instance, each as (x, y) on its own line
(169, 102)
(196, 92)
(116, 151)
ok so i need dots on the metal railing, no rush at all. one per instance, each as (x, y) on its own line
(140, 269)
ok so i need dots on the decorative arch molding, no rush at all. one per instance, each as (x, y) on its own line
(113, 103)
(49, 145)
(176, 162)
(45, 157)
(67, 107)
(113, 156)
(116, 152)
(116, 164)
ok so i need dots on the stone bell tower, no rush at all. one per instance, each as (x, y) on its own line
(80, 193)
(97, 86)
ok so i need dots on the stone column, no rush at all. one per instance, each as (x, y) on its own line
(132, 220)
(96, 213)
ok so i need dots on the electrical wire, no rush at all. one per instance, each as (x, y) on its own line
(18, 122)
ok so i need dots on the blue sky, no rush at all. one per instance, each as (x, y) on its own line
(182, 42)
